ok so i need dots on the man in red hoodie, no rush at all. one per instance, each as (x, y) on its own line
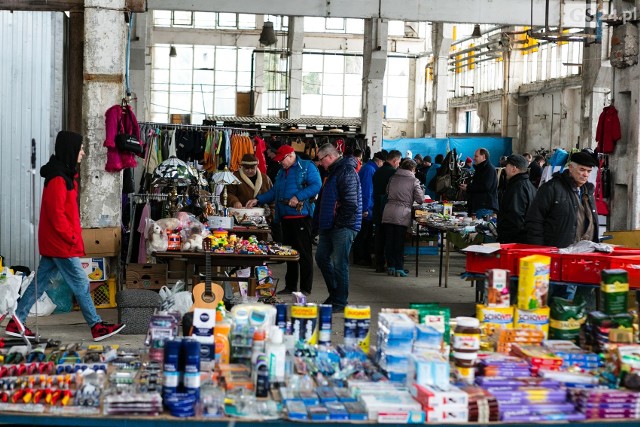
(60, 239)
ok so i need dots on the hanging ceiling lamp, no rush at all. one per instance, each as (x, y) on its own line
(172, 52)
(476, 31)
(268, 36)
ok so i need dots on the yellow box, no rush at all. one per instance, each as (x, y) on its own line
(104, 294)
(533, 319)
(533, 283)
(494, 318)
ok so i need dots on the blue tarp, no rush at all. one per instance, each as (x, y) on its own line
(465, 146)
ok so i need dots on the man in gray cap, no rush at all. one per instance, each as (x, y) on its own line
(517, 198)
(564, 209)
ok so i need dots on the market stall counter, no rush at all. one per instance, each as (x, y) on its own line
(229, 260)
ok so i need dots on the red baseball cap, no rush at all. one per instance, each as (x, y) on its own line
(282, 152)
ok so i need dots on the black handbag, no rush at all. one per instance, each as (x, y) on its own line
(125, 142)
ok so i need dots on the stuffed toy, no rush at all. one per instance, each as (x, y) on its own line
(194, 240)
(156, 239)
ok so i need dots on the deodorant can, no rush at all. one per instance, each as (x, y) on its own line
(324, 328)
(191, 351)
(171, 367)
(281, 316)
(357, 320)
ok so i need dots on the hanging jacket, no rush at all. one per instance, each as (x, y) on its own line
(341, 202)
(260, 147)
(517, 198)
(402, 191)
(59, 230)
(366, 183)
(608, 130)
(115, 121)
(302, 180)
(552, 217)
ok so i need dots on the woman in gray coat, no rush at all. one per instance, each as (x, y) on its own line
(402, 191)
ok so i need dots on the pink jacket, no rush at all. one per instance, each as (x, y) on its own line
(114, 120)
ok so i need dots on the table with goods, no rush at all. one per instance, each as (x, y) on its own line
(535, 359)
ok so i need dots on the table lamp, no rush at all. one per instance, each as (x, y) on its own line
(175, 173)
(224, 178)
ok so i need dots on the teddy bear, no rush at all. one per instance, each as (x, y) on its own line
(156, 239)
(194, 240)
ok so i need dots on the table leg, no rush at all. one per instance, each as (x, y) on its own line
(441, 238)
(446, 267)
(417, 246)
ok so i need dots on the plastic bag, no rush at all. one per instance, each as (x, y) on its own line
(559, 158)
(44, 306)
(61, 295)
(175, 299)
(585, 247)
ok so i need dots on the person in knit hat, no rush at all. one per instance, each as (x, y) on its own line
(60, 240)
(253, 182)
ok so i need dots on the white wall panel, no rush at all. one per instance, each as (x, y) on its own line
(30, 107)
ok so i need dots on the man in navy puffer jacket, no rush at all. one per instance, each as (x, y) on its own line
(339, 222)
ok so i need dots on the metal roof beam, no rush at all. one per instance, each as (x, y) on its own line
(505, 12)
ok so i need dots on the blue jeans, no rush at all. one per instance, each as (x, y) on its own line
(72, 273)
(332, 257)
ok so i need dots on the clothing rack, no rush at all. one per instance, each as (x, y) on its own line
(138, 199)
(195, 127)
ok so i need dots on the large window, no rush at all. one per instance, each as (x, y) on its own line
(396, 88)
(331, 85)
(333, 25)
(199, 80)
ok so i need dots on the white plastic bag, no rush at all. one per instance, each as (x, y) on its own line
(44, 305)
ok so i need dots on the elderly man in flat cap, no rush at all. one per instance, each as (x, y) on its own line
(253, 182)
(564, 209)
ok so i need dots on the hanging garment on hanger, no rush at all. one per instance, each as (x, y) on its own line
(171, 144)
(142, 247)
(608, 130)
(260, 147)
(114, 122)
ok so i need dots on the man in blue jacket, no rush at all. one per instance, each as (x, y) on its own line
(362, 246)
(296, 184)
(339, 222)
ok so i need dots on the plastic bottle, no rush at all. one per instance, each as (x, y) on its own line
(276, 353)
(262, 381)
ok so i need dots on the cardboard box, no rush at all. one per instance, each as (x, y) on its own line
(101, 242)
(497, 294)
(533, 319)
(494, 318)
(96, 268)
(533, 282)
(146, 276)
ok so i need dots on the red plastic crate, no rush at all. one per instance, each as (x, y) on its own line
(632, 265)
(508, 258)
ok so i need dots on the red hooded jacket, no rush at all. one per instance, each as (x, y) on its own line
(59, 231)
(608, 130)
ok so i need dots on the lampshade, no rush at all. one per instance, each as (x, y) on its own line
(172, 52)
(268, 36)
(476, 31)
(173, 171)
(224, 177)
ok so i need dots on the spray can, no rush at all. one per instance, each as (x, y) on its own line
(324, 328)
(191, 351)
(357, 320)
(171, 367)
(281, 317)
(305, 322)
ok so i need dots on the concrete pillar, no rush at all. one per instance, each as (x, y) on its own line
(373, 68)
(74, 71)
(513, 79)
(441, 43)
(104, 57)
(139, 74)
(591, 64)
(295, 44)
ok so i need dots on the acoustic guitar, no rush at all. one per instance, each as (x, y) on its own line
(207, 294)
